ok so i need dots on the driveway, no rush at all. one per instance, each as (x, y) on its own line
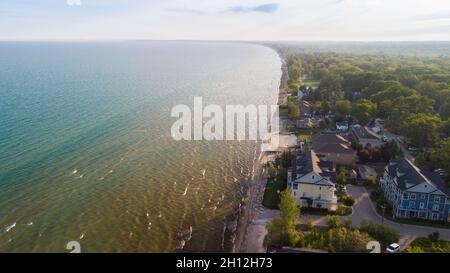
(365, 209)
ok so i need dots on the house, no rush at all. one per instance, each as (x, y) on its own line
(342, 126)
(414, 192)
(306, 123)
(305, 108)
(334, 148)
(310, 182)
(363, 135)
(366, 173)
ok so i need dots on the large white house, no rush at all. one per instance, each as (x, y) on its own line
(310, 182)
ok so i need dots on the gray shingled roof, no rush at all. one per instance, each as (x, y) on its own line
(409, 174)
(309, 162)
(364, 132)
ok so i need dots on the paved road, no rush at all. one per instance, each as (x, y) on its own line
(398, 139)
(364, 209)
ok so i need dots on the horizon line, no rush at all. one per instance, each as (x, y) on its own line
(224, 40)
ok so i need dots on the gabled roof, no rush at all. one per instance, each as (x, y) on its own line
(364, 132)
(331, 143)
(310, 164)
(409, 175)
(333, 148)
(330, 138)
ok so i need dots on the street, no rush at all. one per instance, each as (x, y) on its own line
(365, 209)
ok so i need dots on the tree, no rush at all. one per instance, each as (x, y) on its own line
(272, 170)
(379, 86)
(363, 110)
(326, 107)
(332, 221)
(282, 230)
(294, 112)
(384, 234)
(343, 108)
(342, 176)
(423, 129)
(344, 240)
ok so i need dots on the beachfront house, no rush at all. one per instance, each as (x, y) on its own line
(414, 192)
(310, 182)
(334, 148)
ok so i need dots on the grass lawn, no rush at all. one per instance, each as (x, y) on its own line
(304, 138)
(271, 197)
(311, 83)
(284, 111)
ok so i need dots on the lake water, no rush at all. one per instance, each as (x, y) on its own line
(86, 153)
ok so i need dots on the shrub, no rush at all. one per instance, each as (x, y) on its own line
(333, 221)
(414, 249)
(343, 210)
(348, 200)
(434, 237)
(384, 234)
(344, 240)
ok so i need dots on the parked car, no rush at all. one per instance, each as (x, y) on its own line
(393, 248)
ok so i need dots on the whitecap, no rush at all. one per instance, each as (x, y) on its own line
(82, 236)
(185, 191)
(74, 171)
(203, 173)
(9, 227)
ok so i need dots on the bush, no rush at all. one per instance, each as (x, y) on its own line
(343, 210)
(343, 240)
(333, 221)
(348, 200)
(434, 237)
(382, 233)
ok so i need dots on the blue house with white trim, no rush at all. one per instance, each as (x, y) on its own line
(414, 192)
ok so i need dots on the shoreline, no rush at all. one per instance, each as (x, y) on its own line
(251, 228)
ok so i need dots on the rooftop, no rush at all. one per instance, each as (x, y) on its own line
(409, 175)
(310, 162)
(364, 132)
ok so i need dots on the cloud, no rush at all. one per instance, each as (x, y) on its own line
(73, 2)
(188, 11)
(265, 8)
(433, 16)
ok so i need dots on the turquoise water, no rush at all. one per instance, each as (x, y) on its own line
(86, 152)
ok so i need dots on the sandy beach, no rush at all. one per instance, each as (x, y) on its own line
(252, 229)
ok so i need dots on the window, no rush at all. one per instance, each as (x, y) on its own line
(422, 205)
(295, 193)
(436, 207)
(295, 186)
(437, 199)
(422, 196)
(413, 196)
(412, 204)
(405, 196)
(435, 216)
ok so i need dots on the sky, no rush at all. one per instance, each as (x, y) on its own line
(259, 20)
